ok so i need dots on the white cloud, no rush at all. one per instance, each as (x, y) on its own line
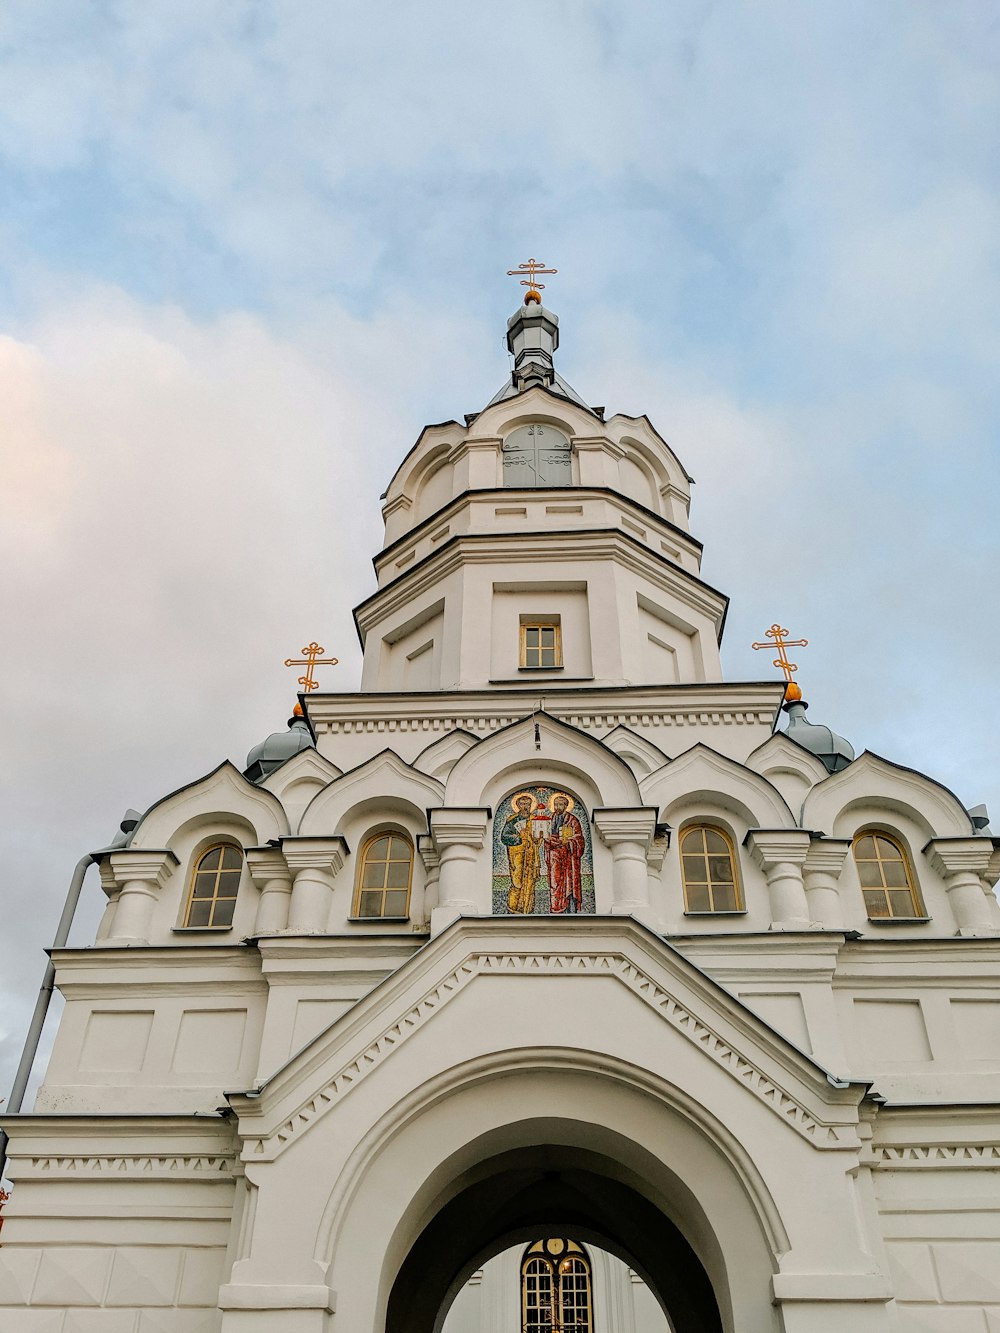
(777, 233)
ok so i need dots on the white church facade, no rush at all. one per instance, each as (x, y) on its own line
(544, 984)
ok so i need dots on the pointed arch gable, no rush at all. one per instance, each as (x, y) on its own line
(223, 792)
(632, 429)
(299, 780)
(780, 754)
(702, 772)
(438, 758)
(872, 780)
(428, 451)
(383, 780)
(641, 755)
(536, 403)
(306, 765)
(489, 768)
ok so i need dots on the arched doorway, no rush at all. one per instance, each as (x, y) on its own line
(549, 1190)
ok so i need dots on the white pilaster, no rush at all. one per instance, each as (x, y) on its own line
(629, 832)
(141, 875)
(458, 835)
(821, 871)
(431, 859)
(963, 864)
(270, 873)
(314, 863)
(781, 854)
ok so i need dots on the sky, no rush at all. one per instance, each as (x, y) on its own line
(247, 250)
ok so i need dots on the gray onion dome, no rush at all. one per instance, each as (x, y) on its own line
(832, 750)
(279, 747)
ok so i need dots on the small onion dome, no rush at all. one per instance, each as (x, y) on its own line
(832, 750)
(279, 746)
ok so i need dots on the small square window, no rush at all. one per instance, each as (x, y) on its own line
(541, 644)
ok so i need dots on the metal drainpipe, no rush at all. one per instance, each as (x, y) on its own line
(42, 1003)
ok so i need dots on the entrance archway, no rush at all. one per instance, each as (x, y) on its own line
(549, 1190)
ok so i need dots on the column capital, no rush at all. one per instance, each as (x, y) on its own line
(771, 847)
(429, 854)
(314, 853)
(459, 826)
(267, 864)
(150, 865)
(955, 856)
(826, 855)
(633, 823)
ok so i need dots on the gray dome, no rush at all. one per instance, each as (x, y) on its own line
(279, 746)
(832, 750)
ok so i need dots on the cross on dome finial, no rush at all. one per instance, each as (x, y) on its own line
(532, 268)
(780, 641)
(312, 657)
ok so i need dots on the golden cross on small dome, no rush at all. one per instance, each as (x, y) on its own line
(780, 642)
(312, 657)
(532, 268)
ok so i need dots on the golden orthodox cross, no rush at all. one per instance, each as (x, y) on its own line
(533, 267)
(313, 657)
(779, 642)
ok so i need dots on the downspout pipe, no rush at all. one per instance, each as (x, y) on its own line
(44, 997)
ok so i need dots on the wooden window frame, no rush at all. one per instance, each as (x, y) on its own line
(539, 1263)
(215, 898)
(918, 911)
(734, 861)
(359, 886)
(528, 623)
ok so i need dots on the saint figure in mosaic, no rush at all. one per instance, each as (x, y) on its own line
(541, 854)
(564, 848)
(520, 834)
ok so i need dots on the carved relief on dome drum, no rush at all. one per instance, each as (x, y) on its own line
(537, 455)
(542, 860)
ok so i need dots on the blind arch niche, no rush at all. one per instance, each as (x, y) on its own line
(537, 455)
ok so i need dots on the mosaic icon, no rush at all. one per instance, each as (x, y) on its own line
(542, 862)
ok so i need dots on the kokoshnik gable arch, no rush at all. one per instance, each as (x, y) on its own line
(545, 932)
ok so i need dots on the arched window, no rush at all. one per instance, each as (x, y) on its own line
(708, 868)
(384, 876)
(885, 877)
(215, 883)
(555, 1288)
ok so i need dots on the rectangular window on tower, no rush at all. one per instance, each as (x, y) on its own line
(541, 643)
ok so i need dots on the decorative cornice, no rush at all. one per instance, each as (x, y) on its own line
(568, 545)
(552, 964)
(596, 708)
(913, 1156)
(163, 1166)
(506, 494)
